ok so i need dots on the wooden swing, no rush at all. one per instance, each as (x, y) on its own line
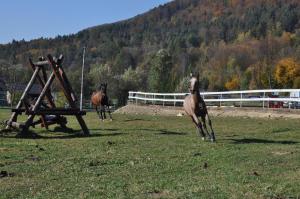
(49, 113)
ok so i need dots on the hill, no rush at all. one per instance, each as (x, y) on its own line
(233, 44)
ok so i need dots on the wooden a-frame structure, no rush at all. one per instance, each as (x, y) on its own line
(48, 112)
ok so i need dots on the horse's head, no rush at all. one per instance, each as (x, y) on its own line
(103, 87)
(194, 83)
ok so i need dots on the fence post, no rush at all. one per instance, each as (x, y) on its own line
(220, 100)
(152, 99)
(268, 102)
(135, 99)
(264, 100)
(164, 101)
(241, 100)
(174, 101)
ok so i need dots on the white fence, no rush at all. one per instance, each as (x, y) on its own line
(274, 98)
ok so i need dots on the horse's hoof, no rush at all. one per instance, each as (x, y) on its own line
(203, 138)
(111, 120)
(213, 140)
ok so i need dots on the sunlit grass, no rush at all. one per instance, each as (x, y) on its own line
(138, 156)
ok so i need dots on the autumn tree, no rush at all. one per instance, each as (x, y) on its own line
(233, 83)
(286, 71)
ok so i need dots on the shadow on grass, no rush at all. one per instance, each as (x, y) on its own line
(163, 132)
(261, 141)
(59, 129)
(75, 134)
(103, 129)
(135, 119)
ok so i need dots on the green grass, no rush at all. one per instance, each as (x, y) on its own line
(154, 157)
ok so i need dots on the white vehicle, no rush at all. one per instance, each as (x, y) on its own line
(295, 94)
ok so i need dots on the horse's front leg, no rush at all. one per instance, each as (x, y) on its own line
(199, 126)
(104, 114)
(101, 112)
(205, 128)
(213, 138)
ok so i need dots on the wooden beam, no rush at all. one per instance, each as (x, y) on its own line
(67, 89)
(17, 125)
(14, 116)
(37, 103)
(41, 63)
(42, 83)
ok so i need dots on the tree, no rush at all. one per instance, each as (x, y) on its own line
(12, 76)
(286, 71)
(131, 80)
(233, 84)
(260, 75)
(245, 80)
(123, 61)
(159, 75)
(296, 83)
(183, 85)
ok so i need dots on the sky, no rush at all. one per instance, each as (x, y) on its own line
(32, 19)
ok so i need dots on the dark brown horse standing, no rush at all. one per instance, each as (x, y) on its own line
(195, 107)
(99, 98)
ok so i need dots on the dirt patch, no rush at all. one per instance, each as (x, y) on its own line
(280, 153)
(159, 194)
(213, 111)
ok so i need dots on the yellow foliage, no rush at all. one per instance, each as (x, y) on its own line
(233, 84)
(296, 83)
(286, 70)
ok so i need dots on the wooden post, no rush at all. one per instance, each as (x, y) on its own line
(42, 83)
(59, 73)
(37, 104)
(14, 116)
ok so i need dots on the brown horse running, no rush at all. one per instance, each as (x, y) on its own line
(195, 107)
(99, 98)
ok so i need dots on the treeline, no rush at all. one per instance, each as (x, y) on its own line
(233, 44)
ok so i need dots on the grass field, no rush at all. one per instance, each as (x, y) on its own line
(154, 157)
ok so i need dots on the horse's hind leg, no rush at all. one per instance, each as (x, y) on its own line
(108, 110)
(101, 114)
(205, 128)
(199, 126)
(98, 113)
(213, 138)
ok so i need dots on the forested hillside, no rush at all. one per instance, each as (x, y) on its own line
(233, 44)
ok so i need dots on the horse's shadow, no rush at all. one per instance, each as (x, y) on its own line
(261, 141)
(164, 132)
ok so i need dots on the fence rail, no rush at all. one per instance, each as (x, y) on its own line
(288, 98)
